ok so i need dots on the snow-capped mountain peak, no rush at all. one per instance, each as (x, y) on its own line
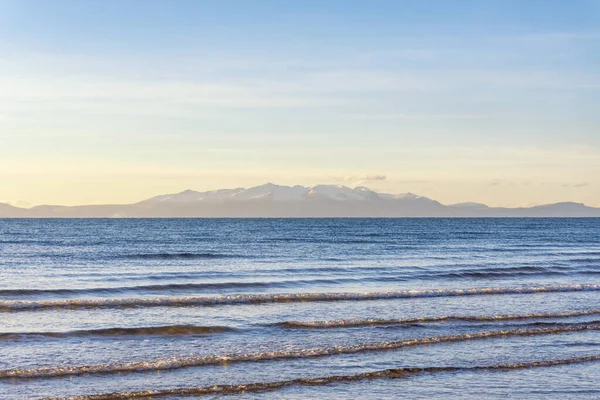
(340, 193)
(282, 193)
(270, 191)
(190, 196)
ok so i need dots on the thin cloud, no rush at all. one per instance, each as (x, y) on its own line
(420, 116)
(576, 185)
(560, 36)
(363, 178)
(375, 178)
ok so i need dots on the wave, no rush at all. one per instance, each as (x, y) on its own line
(139, 288)
(365, 274)
(420, 272)
(585, 260)
(181, 286)
(490, 273)
(177, 363)
(327, 241)
(166, 330)
(167, 256)
(350, 323)
(392, 373)
(12, 242)
(575, 253)
(28, 305)
(504, 272)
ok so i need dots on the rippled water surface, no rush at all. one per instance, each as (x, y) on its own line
(300, 308)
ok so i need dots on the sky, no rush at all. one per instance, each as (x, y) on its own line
(116, 101)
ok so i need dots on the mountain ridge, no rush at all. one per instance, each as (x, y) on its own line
(271, 200)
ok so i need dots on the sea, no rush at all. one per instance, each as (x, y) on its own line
(300, 308)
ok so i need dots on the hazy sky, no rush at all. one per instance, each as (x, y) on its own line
(117, 100)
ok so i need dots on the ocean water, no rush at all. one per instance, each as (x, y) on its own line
(300, 308)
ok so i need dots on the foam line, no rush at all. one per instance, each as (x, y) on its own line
(394, 373)
(176, 363)
(27, 305)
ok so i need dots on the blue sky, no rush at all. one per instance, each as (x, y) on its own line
(115, 101)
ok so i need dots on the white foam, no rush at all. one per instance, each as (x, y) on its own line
(24, 305)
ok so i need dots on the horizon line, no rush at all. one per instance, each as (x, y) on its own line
(31, 206)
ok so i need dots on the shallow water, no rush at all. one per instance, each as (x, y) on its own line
(299, 308)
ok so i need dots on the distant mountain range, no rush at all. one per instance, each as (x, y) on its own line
(272, 200)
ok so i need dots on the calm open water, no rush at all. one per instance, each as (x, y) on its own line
(300, 308)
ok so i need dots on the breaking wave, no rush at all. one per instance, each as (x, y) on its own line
(393, 373)
(176, 363)
(26, 305)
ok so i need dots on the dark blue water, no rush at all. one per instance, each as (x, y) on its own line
(300, 308)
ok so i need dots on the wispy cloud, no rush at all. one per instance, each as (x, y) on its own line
(419, 116)
(498, 182)
(576, 185)
(360, 178)
(560, 36)
(163, 97)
